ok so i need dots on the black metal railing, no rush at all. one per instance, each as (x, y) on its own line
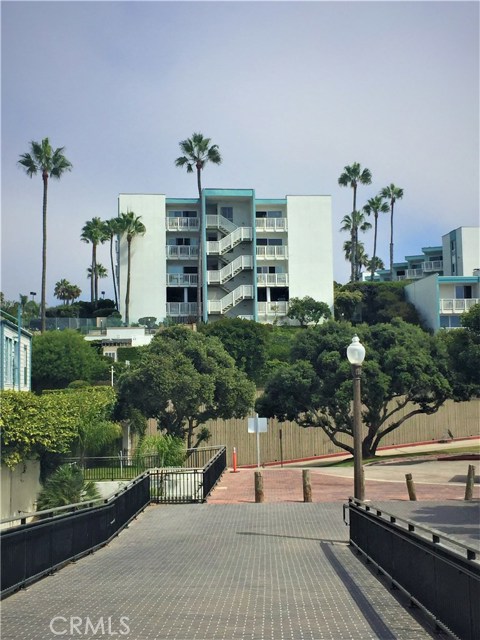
(439, 574)
(57, 536)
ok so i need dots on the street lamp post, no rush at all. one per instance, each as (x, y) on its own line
(356, 355)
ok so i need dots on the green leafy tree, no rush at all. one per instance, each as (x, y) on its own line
(66, 486)
(245, 341)
(169, 450)
(352, 176)
(113, 228)
(33, 425)
(130, 226)
(392, 194)
(405, 373)
(306, 311)
(51, 164)
(471, 320)
(59, 357)
(374, 207)
(197, 151)
(94, 233)
(346, 303)
(184, 379)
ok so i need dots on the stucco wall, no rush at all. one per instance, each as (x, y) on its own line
(19, 488)
(423, 294)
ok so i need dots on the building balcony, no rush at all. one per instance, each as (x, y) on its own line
(272, 252)
(182, 252)
(435, 265)
(272, 309)
(182, 224)
(181, 308)
(182, 279)
(271, 224)
(457, 305)
(272, 279)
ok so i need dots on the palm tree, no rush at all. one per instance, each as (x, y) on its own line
(130, 226)
(197, 151)
(361, 260)
(374, 264)
(62, 290)
(65, 486)
(353, 223)
(352, 176)
(112, 229)
(94, 231)
(375, 205)
(99, 272)
(391, 193)
(52, 164)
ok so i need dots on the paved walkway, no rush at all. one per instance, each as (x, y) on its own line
(218, 572)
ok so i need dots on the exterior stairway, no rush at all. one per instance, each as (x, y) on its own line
(243, 292)
(230, 270)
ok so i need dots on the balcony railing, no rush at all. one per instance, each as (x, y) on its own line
(220, 222)
(457, 305)
(271, 224)
(230, 270)
(272, 279)
(182, 224)
(272, 309)
(434, 265)
(272, 252)
(180, 252)
(181, 308)
(182, 279)
(414, 273)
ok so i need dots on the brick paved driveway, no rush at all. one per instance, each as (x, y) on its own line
(215, 572)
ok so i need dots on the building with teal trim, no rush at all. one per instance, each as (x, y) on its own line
(16, 355)
(257, 255)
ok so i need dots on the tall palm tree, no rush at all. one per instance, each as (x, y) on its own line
(362, 259)
(352, 176)
(391, 193)
(99, 272)
(51, 164)
(130, 226)
(94, 232)
(197, 151)
(353, 224)
(375, 206)
(112, 229)
(62, 290)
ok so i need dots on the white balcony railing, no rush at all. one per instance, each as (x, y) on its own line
(271, 224)
(243, 292)
(182, 252)
(230, 270)
(272, 279)
(433, 265)
(414, 273)
(182, 224)
(272, 309)
(181, 308)
(220, 222)
(182, 279)
(457, 305)
(272, 252)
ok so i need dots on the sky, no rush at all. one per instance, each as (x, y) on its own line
(291, 92)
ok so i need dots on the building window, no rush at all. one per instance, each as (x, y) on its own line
(110, 354)
(268, 214)
(25, 366)
(181, 214)
(463, 292)
(271, 242)
(227, 212)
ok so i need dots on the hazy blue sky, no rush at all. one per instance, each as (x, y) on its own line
(290, 91)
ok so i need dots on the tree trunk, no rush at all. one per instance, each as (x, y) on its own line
(372, 270)
(95, 272)
(200, 248)
(113, 272)
(44, 253)
(127, 293)
(353, 257)
(391, 241)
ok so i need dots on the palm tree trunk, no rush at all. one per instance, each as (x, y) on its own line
(391, 240)
(127, 294)
(95, 275)
(44, 253)
(113, 272)
(374, 247)
(200, 248)
(92, 271)
(354, 241)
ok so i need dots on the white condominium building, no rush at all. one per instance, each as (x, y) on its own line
(257, 254)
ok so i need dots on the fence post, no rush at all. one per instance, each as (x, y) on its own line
(307, 487)
(410, 486)
(470, 482)
(259, 495)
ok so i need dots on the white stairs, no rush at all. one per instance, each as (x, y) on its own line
(243, 292)
(230, 270)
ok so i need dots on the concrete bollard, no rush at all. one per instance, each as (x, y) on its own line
(412, 494)
(470, 482)
(307, 487)
(259, 495)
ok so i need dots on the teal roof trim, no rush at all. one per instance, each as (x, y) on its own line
(228, 193)
(459, 279)
(181, 201)
(282, 201)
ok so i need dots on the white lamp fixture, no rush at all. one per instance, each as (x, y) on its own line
(355, 351)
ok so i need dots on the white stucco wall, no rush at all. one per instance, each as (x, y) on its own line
(20, 488)
(466, 255)
(148, 259)
(423, 294)
(310, 249)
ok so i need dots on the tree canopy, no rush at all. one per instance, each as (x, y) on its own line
(306, 310)
(183, 379)
(405, 372)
